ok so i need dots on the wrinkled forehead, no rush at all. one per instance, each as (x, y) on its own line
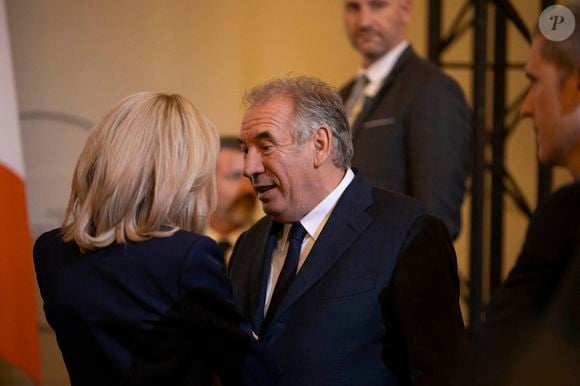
(274, 116)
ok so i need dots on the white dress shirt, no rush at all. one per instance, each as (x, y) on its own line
(313, 222)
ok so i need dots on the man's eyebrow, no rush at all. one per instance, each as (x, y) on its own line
(264, 135)
(261, 135)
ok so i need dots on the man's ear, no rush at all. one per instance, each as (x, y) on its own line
(322, 145)
(407, 10)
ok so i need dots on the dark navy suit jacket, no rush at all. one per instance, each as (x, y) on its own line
(375, 303)
(156, 312)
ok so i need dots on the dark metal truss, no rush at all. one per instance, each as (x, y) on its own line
(492, 133)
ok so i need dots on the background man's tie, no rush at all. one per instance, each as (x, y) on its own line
(355, 102)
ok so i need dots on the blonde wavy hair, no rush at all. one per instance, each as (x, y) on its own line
(147, 170)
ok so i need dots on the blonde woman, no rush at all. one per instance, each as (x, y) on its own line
(135, 294)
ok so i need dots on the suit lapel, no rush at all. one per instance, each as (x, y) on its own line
(347, 221)
(261, 254)
(371, 105)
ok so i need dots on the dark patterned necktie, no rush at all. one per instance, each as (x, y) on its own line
(355, 102)
(287, 275)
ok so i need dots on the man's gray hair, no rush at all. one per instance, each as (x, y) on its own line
(315, 104)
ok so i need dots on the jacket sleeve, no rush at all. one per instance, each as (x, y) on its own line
(226, 338)
(424, 302)
(438, 143)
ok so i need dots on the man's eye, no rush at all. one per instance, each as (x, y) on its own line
(351, 7)
(266, 147)
(378, 4)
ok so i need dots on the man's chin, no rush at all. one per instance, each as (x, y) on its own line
(271, 212)
(371, 54)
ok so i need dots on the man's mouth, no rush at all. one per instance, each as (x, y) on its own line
(261, 189)
(367, 33)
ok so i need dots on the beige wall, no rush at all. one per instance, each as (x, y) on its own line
(80, 57)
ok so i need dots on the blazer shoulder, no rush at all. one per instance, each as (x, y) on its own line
(395, 208)
(415, 63)
(189, 244)
(203, 266)
(562, 207)
(566, 196)
(48, 238)
(398, 202)
(555, 221)
(50, 245)
(428, 74)
(184, 237)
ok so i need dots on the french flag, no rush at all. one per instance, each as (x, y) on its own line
(18, 324)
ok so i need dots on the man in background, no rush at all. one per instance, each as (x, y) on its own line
(410, 122)
(236, 201)
(531, 335)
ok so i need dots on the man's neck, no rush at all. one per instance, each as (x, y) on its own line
(331, 179)
(327, 182)
(319, 214)
(572, 163)
(380, 69)
(368, 61)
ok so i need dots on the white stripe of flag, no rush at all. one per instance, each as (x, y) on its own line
(10, 142)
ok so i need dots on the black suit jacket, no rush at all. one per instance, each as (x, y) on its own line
(531, 335)
(414, 137)
(375, 303)
(156, 312)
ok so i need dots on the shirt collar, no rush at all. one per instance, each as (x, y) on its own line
(379, 70)
(312, 221)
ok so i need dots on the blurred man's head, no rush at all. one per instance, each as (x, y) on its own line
(374, 27)
(236, 201)
(553, 100)
(297, 145)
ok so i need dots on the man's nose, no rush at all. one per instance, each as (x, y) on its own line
(253, 164)
(364, 17)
